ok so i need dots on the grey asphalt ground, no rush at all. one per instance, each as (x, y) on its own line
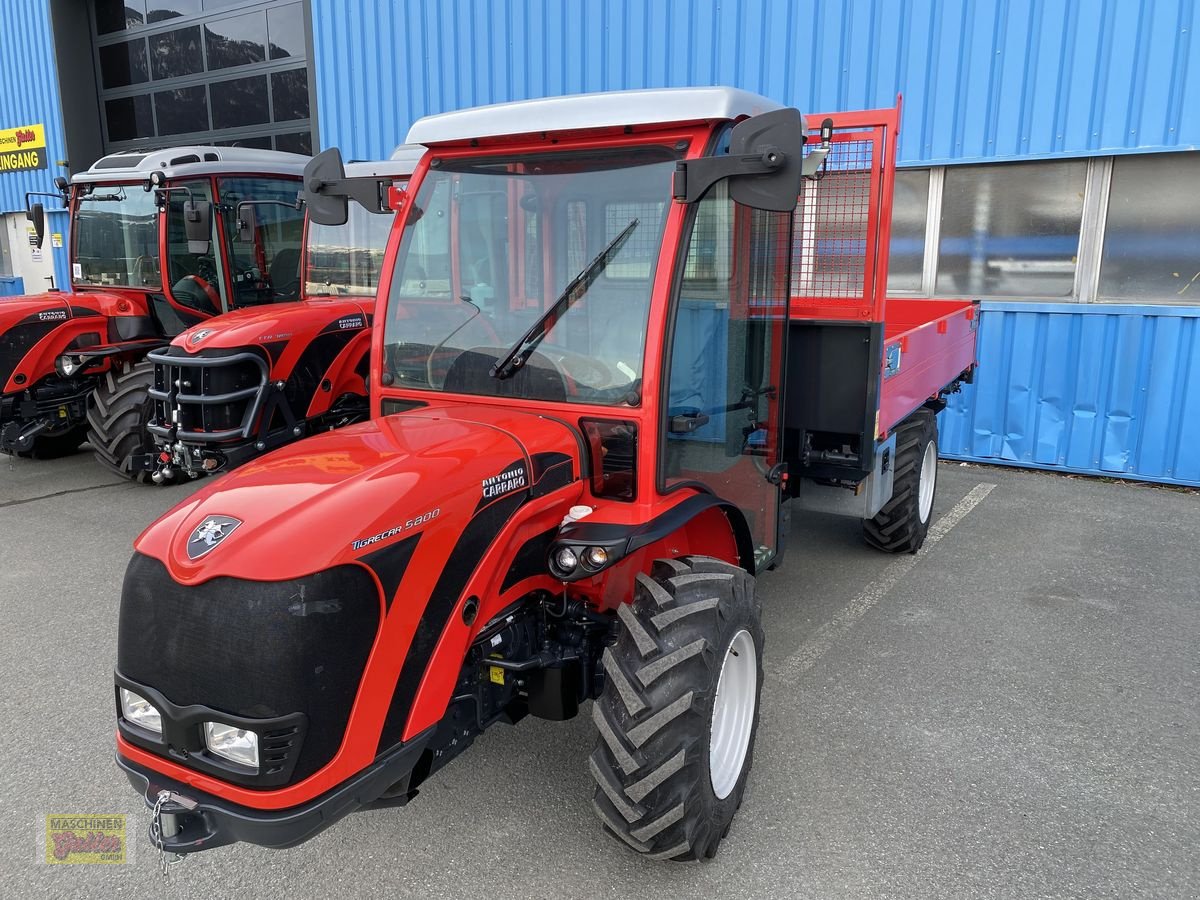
(1012, 713)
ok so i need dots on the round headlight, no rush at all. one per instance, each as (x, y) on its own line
(595, 557)
(68, 365)
(565, 560)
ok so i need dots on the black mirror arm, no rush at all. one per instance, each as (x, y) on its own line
(695, 176)
(366, 191)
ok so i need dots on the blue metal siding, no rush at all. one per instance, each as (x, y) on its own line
(29, 95)
(1105, 390)
(982, 79)
(11, 287)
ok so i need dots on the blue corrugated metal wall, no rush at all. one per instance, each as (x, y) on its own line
(31, 95)
(982, 79)
(1100, 389)
(12, 287)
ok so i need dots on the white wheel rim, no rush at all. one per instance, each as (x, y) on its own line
(733, 714)
(928, 481)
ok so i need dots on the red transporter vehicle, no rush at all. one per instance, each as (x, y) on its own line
(148, 259)
(604, 362)
(256, 378)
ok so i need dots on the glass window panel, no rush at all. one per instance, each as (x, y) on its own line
(176, 53)
(225, 4)
(289, 94)
(299, 142)
(1152, 234)
(240, 101)
(165, 10)
(237, 41)
(181, 110)
(117, 15)
(907, 249)
(1011, 229)
(262, 142)
(124, 64)
(129, 118)
(266, 266)
(285, 27)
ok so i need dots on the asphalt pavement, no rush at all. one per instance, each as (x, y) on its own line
(1013, 712)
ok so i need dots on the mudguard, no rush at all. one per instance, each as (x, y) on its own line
(36, 330)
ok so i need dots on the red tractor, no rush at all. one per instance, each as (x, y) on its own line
(233, 387)
(148, 260)
(610, 355)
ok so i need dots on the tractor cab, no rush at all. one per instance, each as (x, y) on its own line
(619, 261)
(155, 248)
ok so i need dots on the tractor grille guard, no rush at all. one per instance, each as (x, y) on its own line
(199, 415)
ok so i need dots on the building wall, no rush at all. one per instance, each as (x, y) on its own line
(29, 96)
(982, 79)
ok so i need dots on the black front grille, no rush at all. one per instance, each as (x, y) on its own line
(254, 649)
(208, 397)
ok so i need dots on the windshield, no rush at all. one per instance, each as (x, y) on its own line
(116, 237)
(346, 259)
(489, 247)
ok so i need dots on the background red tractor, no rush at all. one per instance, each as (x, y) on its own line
(610, 354)
(148, 260)
(250, 380)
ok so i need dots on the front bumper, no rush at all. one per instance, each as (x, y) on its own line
(215, 822)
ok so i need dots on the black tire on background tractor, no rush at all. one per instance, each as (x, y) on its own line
(669, 772)
(903, 522)
(52, 446)
(120, 409)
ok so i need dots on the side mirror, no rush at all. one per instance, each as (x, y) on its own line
(322, 181)
(764, 165)
(37, 215)
(247, 223)
(777, 138)
(197, 225)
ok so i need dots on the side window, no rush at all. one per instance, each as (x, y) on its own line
(264, 260)
(426, 270)
(193, 278)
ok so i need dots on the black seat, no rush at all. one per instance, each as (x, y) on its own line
(538, 379)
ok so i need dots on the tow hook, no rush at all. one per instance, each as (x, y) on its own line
(164, 823)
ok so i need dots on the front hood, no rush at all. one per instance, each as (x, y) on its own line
(35, 328)
(276, 323)
(339, 496)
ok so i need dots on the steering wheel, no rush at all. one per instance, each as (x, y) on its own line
(198, 289)
(579, 369)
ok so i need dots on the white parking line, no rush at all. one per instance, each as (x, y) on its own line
(832, 631)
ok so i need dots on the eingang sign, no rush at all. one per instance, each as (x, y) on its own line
(23, 148)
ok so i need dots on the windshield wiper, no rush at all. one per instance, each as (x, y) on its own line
(519, 352)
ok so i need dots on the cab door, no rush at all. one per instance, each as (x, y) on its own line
(722, 428)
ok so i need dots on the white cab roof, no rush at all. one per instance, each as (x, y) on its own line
(183, 162)
(401, 163)
(600, 110)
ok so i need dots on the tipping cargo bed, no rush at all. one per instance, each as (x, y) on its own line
(859, 363)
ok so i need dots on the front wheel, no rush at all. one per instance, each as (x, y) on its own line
(903, 522)
(120, 409)
(679, 711)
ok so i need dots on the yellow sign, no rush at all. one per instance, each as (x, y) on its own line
(85, 839)
(23, 148)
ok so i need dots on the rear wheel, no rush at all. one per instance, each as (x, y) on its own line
(903, 522)
(679, 711)
(120, 409)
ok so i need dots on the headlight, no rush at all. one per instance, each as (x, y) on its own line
(140, 711)
(565, 561)
(68, 365)
(595, 557)
(234, 744)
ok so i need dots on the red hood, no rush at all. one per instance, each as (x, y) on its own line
(277, 322)
(303, 507)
